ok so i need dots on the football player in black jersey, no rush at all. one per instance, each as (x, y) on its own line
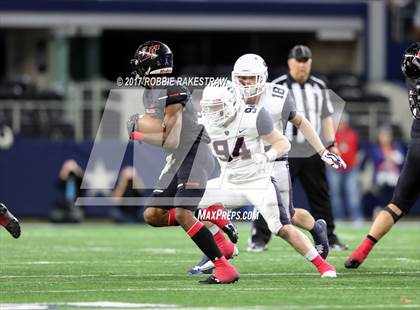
(408, 187)
(9, 221)
(171, 122)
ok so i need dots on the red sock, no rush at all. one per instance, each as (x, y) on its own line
(322, 265)
(318, 261)
(219, 237)
(195, 228)
(225, 246)
(365, 247)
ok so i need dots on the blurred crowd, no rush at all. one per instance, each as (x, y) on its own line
(378, 165)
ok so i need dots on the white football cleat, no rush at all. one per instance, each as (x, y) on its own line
(329, 274)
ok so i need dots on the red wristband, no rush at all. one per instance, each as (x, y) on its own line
(136, 135)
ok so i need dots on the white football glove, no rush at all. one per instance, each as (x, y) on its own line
(261, 160)
(333, 160)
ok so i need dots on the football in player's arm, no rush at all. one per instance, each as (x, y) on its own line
(165, 133)
(172, 125)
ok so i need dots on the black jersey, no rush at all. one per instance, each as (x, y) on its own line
(415, 129)
(156, 100)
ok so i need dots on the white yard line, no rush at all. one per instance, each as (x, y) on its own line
(121, 305)
(181, 274)
(94, 305)
(170, 262)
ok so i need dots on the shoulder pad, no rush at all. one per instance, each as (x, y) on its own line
(176, 94)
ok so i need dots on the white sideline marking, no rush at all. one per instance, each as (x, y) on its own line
(96, 304)
(181, 274)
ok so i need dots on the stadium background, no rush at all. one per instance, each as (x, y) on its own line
(59, 59)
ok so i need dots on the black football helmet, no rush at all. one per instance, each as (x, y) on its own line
(152, 58)
(410, 64)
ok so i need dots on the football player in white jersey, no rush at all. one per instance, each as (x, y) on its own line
(238, 133)
(250, 74)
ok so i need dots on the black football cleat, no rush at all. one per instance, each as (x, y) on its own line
(321, 240)
(214, 280)
(335, 244)
(232, 232)
(9, 221)
(352, 263)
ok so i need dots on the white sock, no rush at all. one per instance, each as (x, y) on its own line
(214, 229)
(311, 254)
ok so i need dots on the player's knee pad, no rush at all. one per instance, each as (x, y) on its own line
(394, 215)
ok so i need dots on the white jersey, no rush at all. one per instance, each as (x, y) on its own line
(234, 144)
(276, 100)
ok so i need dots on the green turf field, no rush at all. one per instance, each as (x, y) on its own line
(144, 265)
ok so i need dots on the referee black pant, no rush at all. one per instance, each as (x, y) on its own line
(312, 175)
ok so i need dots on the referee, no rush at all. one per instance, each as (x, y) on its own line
(311, 97)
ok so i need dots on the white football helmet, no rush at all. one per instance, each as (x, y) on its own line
(220, 102)
(250, 65)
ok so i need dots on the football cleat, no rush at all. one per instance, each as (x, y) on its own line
(335, 244)
(202, 267)
(329, 274)
(214, 280)
(225, 273)
(256, 247)
(356, 258)
(327, 271)
(206, 266)
(339, 246)
(352, 263)
(9, 221)
(321, 240)
(232, 232)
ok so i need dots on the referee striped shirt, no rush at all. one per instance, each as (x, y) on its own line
(312, 100)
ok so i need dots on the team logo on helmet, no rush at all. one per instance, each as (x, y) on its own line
(149, 52)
